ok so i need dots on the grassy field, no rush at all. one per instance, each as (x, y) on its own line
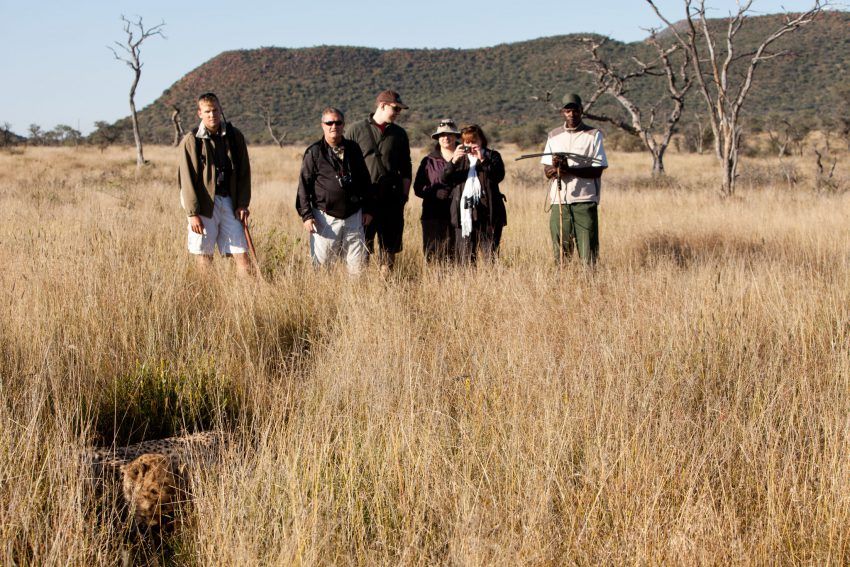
(687, 403)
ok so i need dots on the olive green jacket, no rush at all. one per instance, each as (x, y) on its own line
(196, 173)
(391, 147)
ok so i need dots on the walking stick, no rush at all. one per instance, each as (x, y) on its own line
(251, 248)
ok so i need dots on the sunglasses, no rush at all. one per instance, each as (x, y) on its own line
(447, 123)
(397, 109)
(333, 122)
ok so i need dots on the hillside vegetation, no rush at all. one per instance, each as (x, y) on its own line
(492, 85)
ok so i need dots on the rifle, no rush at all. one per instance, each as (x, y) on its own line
(563, 155)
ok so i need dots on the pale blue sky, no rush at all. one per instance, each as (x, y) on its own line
(55, 67)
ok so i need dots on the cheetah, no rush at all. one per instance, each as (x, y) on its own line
(153, 474)
(152, 479)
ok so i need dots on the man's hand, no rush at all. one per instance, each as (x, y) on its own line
(242, 214)
(196, 224)
(443, 194)
(551, 171)
(367, 219)
(310, 225)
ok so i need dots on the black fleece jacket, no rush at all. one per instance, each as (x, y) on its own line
(319, 186)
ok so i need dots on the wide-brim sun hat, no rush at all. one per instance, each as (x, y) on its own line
(446, 126)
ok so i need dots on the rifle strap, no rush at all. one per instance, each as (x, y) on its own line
(382, 169)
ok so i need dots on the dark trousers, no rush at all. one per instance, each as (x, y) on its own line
(438, 240)
(579, 226)
(388, 225)
(482, 242)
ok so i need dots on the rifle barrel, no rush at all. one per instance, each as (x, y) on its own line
(562, 154)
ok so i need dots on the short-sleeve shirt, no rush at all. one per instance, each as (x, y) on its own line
(583, 141)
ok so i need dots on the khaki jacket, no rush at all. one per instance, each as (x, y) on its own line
(196, 173)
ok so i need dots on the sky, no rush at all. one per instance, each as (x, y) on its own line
(55, 67)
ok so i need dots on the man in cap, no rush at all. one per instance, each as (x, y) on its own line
(334, 193)
(576, 182)
(387, 151)
(215, 186)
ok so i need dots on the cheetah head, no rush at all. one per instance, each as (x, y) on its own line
(150, 486)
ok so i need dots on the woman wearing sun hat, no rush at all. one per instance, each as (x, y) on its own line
(438, 235)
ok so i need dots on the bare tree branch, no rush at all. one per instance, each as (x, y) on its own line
(610, 81)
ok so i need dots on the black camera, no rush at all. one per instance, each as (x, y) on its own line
(465, 149)
(344, 180)
(468, 203)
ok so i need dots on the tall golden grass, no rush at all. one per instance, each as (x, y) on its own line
(686, 403)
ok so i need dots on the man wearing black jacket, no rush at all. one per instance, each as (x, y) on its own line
(335, 195)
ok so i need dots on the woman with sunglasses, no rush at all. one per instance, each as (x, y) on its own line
(438, 235)
(478, 206)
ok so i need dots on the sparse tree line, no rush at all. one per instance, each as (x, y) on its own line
(103, 136)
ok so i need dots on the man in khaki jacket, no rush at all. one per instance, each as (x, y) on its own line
(576, 183)
(215, 186)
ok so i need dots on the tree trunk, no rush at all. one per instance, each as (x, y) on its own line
(728, 188)
(140, 156)
(729, 160)
(658, 163)
(178, 127)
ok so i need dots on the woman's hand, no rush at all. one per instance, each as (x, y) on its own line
(477, 151)
(458, 155)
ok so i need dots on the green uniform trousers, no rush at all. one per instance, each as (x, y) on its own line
(580, 228)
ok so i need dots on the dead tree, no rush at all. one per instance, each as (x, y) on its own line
(699, 137)
(136, 35)
(178, 126)
(723, 92)
(655, 137)
(270, 125)
(824, 180)
(785, 134)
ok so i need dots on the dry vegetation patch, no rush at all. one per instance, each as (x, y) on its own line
(685, 403)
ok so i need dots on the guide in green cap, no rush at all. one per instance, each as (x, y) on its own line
(576, 181)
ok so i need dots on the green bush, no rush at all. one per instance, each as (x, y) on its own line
(156, 400)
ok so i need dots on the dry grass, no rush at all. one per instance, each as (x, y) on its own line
(687, 403)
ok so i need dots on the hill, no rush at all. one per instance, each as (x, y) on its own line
(494, 85)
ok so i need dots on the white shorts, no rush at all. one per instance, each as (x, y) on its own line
(223, 229)
(339, 238)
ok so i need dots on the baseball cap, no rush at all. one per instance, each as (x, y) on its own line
(390, 97)
(572, 99)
